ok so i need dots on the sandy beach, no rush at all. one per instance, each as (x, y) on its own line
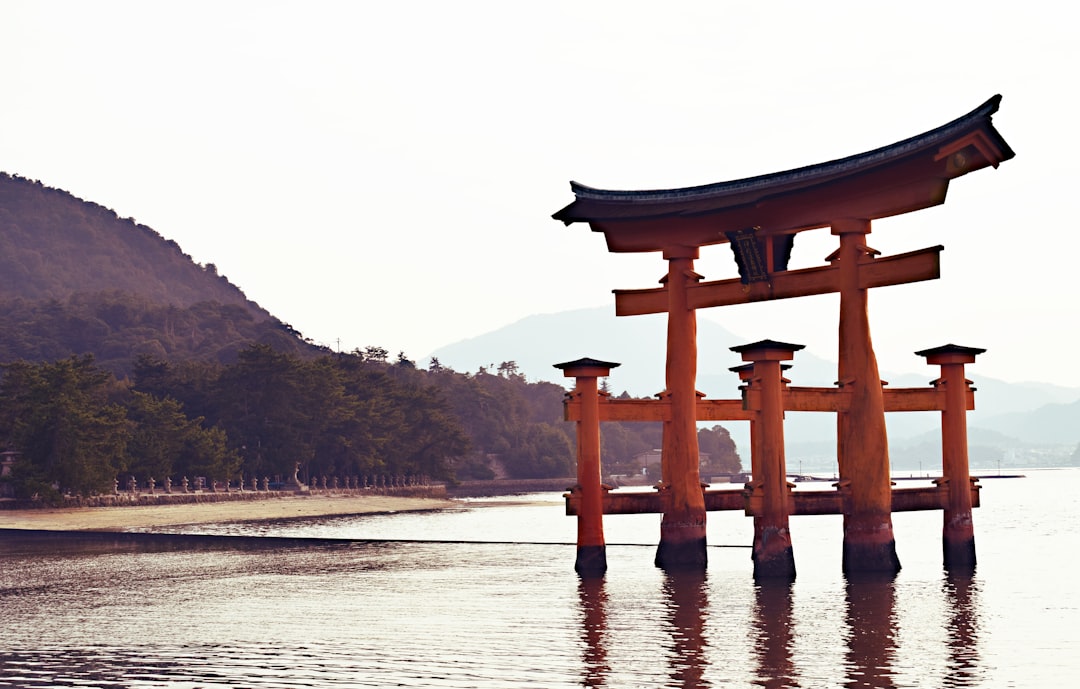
(146, 516)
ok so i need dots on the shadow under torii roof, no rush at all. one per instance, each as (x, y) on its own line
(905, 176)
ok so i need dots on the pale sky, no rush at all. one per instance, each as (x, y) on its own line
(385, 173)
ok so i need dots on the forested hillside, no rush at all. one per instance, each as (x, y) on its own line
(53, 245)
(120, 359)
(77, 279)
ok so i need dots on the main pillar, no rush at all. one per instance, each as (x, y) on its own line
(958, 533)
(772, 553)
(862, 444)
(682, 529)
(591, 550)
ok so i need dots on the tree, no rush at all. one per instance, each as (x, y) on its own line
(509, 369)
(191, 383)
(343, 417)
(540, 451)
(621, 442)
(166, 443)
(266, 410)
(717, 443)
(72, 437)
(376, 354)
(433, 437)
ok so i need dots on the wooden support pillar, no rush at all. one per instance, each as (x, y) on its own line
(682, 529)
(746, 376)
(862, 444)
(772, 551)
(591, 550)
(756, 486)
(958, 533)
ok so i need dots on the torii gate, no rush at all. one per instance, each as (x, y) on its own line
(760, 217)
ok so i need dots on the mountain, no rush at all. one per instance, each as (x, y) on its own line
(536, 343)
(53, 244)
(1019, 417)
(1049, 424)
(76, 278)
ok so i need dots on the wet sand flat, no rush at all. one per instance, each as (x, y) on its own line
(145, 516)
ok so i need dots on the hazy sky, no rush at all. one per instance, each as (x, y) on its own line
(384, 173)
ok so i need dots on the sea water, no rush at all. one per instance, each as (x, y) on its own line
(485, 595)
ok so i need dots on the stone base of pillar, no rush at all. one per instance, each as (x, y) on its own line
(870, 556)
(958, 540)
(591, 560)
(959, 552)
(777, 567)
(683, 554)
(773, 555)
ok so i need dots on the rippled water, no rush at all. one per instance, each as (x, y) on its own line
(493, 601)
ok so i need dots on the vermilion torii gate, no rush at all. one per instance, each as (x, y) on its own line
(760, 217)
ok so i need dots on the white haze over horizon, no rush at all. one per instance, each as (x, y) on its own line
(384, 174)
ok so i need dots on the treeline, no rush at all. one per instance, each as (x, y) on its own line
(78, 428)
(190, 378)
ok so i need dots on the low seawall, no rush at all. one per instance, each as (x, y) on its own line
(478, 489)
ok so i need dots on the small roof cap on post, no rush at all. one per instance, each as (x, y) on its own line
(763, 350)
(586, 367)
(951, 354)
(742, 368)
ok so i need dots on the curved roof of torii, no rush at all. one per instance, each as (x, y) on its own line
(905, 176)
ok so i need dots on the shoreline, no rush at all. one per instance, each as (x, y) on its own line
(75, 519)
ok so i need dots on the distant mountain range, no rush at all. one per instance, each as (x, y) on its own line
(1011, 422)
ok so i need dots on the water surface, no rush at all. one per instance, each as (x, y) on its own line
(485, 596)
